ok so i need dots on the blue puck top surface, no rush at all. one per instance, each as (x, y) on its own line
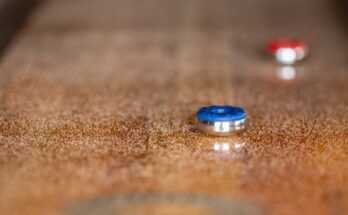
(221, 114)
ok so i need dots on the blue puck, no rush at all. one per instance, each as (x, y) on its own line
(221, 114)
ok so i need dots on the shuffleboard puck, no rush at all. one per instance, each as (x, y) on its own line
(221, 120)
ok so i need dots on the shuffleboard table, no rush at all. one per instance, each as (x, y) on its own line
(98, 102)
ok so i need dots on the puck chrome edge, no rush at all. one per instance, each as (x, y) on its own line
(222, 128)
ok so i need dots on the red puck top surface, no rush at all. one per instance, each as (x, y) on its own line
(274, 45)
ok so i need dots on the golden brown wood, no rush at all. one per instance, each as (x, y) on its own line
(98, 98)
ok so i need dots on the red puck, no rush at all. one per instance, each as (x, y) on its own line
(287, 51)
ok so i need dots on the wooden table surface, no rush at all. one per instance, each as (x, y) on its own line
(98, 102)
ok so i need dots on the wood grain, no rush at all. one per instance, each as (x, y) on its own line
(98, 98)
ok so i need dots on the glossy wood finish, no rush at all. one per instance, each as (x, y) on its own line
(98, 98)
